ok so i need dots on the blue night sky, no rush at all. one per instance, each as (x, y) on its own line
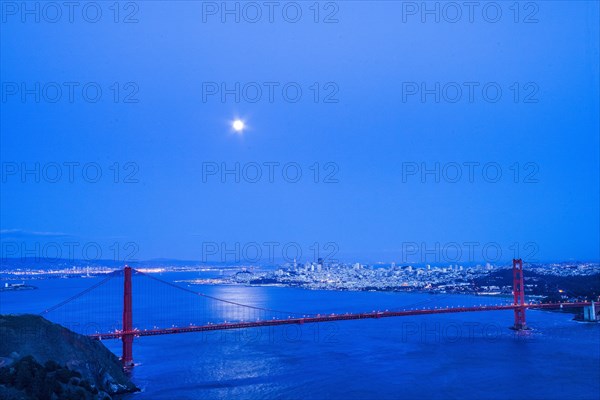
(367, 139)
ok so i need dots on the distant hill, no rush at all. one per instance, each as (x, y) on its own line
(550, 286)
(8, 263)
(33, 346)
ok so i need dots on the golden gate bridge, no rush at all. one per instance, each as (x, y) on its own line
(256, 316)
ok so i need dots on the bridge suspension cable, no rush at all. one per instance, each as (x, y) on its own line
(86, 291)
(218, 299)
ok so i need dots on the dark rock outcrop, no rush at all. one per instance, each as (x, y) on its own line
(46, 342)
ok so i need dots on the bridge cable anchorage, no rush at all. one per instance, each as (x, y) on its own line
(78, 295)
(218, 299)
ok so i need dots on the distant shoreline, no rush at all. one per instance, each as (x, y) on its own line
(17, 288)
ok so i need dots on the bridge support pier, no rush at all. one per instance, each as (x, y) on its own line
(127, 355)
(519, 295)
(589, 313)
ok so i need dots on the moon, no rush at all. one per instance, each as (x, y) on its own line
(238, 125)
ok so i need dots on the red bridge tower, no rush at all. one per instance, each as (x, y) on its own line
(519, 295)
(127, 358)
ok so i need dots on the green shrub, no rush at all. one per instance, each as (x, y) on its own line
(86, 385)
(51, 366)
(45, 382)
(5, 376)
(63, 375)
(58, 389)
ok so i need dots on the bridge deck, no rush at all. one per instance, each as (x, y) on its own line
(327, 318)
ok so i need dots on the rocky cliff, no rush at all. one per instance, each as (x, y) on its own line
(57, 348)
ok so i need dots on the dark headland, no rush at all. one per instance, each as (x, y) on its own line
(43, 360)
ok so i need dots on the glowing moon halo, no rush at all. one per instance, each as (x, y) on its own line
(238, 125)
